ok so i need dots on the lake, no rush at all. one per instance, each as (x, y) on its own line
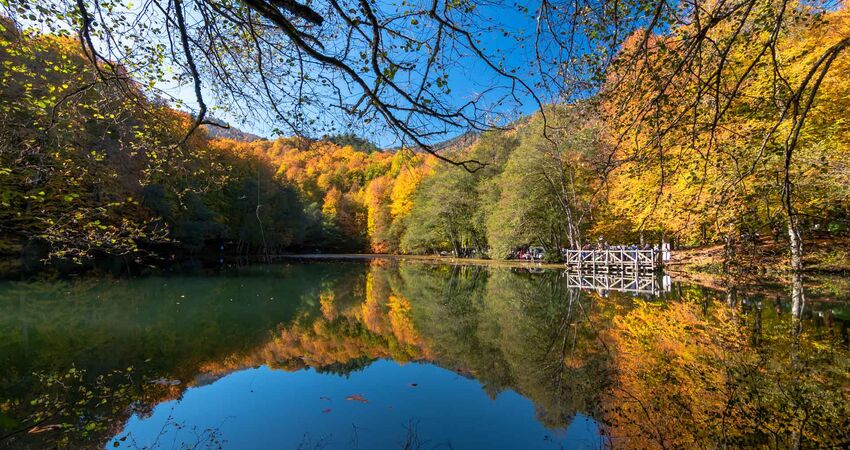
(413, 355)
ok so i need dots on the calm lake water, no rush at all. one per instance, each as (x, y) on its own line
(410, 355)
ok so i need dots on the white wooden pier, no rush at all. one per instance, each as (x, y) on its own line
(621, 261)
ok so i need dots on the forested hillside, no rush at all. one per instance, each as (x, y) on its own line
(93, 167)
(89, 172)
(691, 165)
(361, 198)
(90, 167)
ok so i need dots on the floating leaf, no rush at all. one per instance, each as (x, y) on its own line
(357, 398)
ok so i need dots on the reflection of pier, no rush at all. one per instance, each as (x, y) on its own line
(615, 260)
(651, 285)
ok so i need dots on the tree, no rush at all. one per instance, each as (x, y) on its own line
(549, 184)
(379, 219)
(356, 142)
(442, 215)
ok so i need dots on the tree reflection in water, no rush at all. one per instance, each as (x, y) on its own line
(732, 375)
(697, 368)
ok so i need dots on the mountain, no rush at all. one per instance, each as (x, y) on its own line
(227, 131)
(458, 142)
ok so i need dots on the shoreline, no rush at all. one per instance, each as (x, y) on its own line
(426, 258)
(680, 270)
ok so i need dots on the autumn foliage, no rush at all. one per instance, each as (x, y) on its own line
(86, 172)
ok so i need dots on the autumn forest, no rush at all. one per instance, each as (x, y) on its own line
(93, 166)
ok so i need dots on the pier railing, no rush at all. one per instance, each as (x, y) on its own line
(614, 260)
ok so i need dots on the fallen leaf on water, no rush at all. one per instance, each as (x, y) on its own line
(326, 410)
(357, 398)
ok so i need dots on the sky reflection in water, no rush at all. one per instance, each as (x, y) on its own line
(267, 409)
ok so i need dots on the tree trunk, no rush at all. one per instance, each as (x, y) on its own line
(796, 243)
(454, 241)
(798, 303)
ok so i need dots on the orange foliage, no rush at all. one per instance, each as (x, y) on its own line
(403, 189)
(361, 194)
(378, 219)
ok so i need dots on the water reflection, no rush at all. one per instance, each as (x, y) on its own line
(410, 355)
(602, 283)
